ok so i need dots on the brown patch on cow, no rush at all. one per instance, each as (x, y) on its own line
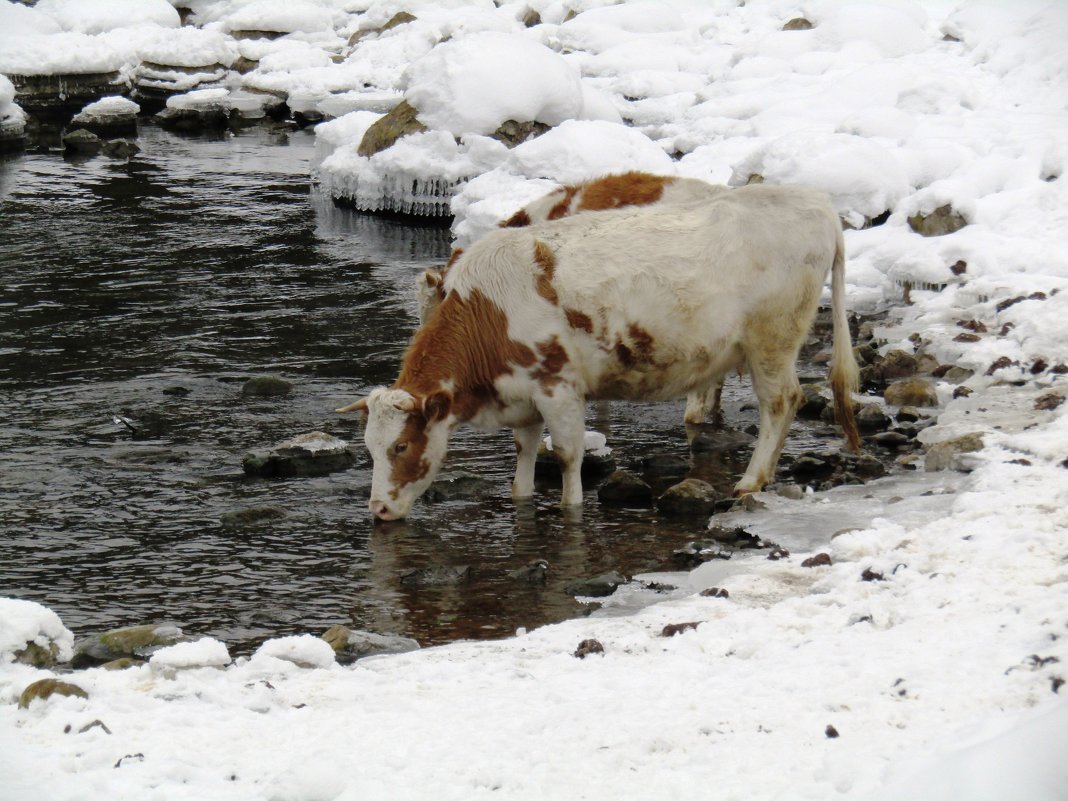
(518, 220)
(627, 189)
(553, 359)
(563, 206)
(642, 341)
(578, 320)
(409, 466)
(624, 354)
(544, 258)
(465, 345)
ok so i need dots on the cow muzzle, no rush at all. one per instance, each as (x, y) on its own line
(381, 510)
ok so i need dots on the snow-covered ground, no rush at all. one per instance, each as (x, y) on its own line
(940, 681)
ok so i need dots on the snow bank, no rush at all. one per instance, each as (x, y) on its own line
(98, 16)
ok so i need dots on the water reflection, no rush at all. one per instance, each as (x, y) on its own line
(153, 290)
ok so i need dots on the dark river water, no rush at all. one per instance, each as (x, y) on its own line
(154, 289)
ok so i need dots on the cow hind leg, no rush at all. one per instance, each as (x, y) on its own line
(526, 448)
(779, 394)
(564, 414)
(699, 405)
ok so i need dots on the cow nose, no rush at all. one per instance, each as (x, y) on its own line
(381, 510)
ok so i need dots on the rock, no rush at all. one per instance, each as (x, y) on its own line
(57, 97)
(689, 497)
(38, 656)
(314, 454)
(243, 518)
(863, 465)
(872, 417)
(890, 439)
(665, 464)
(797, 24)
(401, 121)
(957, 375)
(748, 503)
(155, 83)
(623, 488)
(698, 552)
(671, 629)
(810, 466)
(266, 386)
(123, 663)
(512, 133)
(908, 414)
(911, 392)
(109, 116)
(819, 560)
(941, 221)
(945, 455)
(793, 492)
(896, 364)
(350, 645)
(597, 458)
(130, 641)
(437, 576)
(46, 688)
(714, 592)
(459, 486)
(121, 149)
(82, 142)
(812, 406)
(587, 647)
(831, 732)
(720, 441)
(597, 587)
(1049, 402)
(534, 573)
(12, 129)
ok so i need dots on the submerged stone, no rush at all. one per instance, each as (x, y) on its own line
(242, 518)
(313, 454)
(266, 386)
(459, 486)
(437, 576)
(597, 587)
(623, 488)
(82, 142)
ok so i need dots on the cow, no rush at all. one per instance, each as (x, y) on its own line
(607, 192)
(640, 303)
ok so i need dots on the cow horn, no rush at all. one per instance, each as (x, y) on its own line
(358, 406)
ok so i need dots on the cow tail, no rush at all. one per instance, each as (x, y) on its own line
(845, 376)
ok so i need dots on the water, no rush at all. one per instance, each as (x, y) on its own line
(153, 290)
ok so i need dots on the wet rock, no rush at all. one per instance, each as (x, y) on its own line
(962, 392)
(797, 24)
(82, 142)
(266, 386)
(121, 149)
(811, 466)
(721, 441)
(12, 129)
(256, 515)
(109, 116)
(350, 645)
(129, 641)
(698, 552)
(872, 417)
(314, 454)
(1049, 402)
(458, 486)
(863, 465)
(597, 587)
(623, 488)
(1000, 364)
(534, 573)
(871, 575)
(59, 96)
(588, 647)
(736, 537)
(946, 455)
(437, 576)
(747, 503)
(401, 121)
(660, 465)
(819, 560)
(966, 337)
(689, 497)
(46, 688)
(943, 220)
(671, 629)
(896, 364)
(777, 553)
(911, 392)
(814, 403)
(38, 656)
(908, 414)
(890, 439)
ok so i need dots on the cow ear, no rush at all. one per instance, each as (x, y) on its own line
(437, 406)
(432, 278)
(358, 406)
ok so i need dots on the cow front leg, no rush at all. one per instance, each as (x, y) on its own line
(565, 416)
(526, 449)
(700, 404)
(779, 395)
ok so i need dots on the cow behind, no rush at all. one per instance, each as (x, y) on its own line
(601, 194)
(635, 304)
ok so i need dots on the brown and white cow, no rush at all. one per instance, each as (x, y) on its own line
(600, 194)
(642, 303)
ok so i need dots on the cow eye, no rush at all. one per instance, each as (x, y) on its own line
(400, 448)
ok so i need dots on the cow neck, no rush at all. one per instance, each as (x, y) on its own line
(463, 348)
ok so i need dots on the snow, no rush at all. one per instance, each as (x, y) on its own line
(98, 16)
(941, 679)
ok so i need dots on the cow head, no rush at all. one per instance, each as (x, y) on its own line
(407, 437)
